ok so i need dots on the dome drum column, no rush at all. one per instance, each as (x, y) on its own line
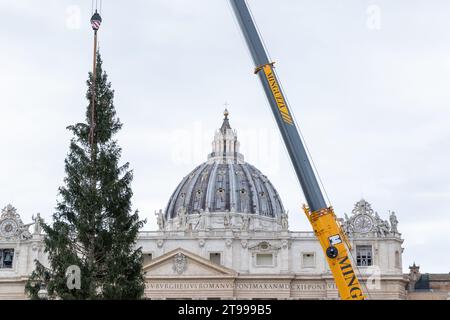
(209, 191)
(232, 180)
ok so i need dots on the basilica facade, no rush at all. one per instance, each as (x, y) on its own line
(224, 234)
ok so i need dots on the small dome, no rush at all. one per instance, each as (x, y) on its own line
(225, 183)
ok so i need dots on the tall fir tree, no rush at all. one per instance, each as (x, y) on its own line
(93, 227)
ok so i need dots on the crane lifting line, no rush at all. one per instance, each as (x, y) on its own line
(97, 6)
(95, 23)
(94, 76)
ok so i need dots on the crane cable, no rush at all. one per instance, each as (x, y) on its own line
(97, 6)
(95, 23)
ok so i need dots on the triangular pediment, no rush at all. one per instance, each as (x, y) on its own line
(183, 263)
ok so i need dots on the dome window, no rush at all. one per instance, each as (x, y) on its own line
(243, 191)
(221, 190)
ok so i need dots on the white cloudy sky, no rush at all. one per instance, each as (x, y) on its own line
(370, 92)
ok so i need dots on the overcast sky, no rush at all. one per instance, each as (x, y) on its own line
(368, 82)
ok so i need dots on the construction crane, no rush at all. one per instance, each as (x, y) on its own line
(321, 216)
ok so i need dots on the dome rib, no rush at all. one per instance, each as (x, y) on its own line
(232, 188)
(253, 191)
(210, 191)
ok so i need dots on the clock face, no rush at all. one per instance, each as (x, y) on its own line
(363, 223)
(8, 228)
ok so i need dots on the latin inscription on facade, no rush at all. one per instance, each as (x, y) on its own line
(240, 286)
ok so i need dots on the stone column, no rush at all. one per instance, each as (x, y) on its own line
(284, 268)
(228, 259)
(244, 256)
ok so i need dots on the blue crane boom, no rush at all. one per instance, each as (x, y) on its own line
(322, 218)
(280, 109)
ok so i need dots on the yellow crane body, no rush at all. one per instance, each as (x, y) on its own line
(330, 234)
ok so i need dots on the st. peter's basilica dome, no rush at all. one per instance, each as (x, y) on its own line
(225, 185)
